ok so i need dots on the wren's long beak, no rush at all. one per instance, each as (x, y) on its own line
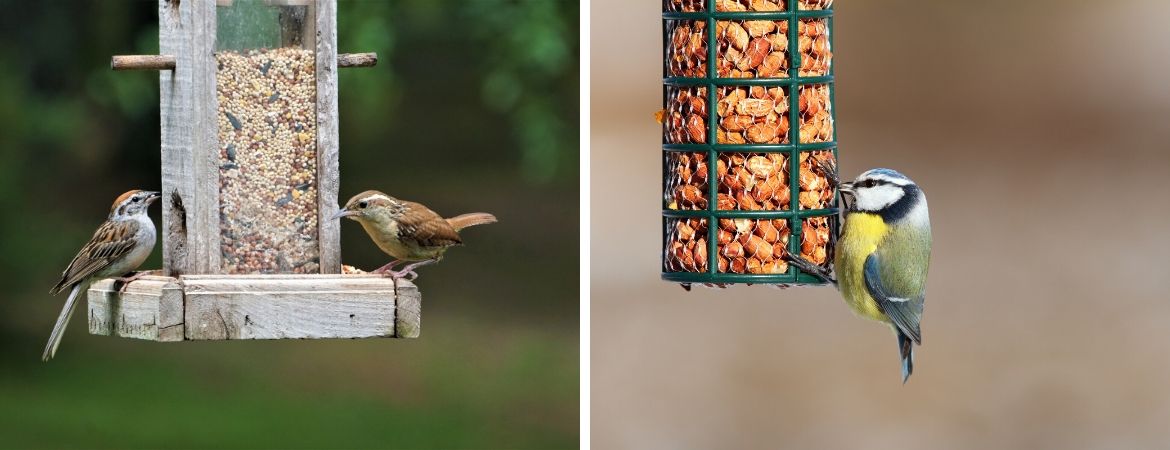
(343, 213)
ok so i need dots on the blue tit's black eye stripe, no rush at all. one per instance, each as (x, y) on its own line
(903, 206)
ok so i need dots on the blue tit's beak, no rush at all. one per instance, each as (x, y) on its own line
(846, 188)
(343, 213)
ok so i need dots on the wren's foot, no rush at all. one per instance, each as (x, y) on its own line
(124, 282)
(808, 267)
(409, 269)
(410, 275)
(387, 267)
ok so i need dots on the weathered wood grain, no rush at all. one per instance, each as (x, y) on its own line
(190, 145)
(222, 307)
(151, 308)
(328, 176)
(142, 62)
(357, 60)
(262, 307)
(288, 283)
(408, 321)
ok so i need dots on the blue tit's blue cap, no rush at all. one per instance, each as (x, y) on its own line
(891, 173)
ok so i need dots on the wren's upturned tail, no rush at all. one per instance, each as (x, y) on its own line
(470, 219)
(408, 231)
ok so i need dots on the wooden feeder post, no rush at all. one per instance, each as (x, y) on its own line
(249, 248)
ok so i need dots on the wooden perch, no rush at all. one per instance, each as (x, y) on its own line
(223, 307)
(142, 62)
(167, 62)
(357, 59)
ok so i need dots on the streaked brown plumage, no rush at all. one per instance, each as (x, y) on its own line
(119, 246)
(111, 241)
(408, 231)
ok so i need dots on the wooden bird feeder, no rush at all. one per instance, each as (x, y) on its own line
(248, 99)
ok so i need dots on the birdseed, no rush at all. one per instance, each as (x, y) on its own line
(268, 161)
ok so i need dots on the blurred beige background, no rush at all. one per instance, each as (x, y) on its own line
(1039, 131)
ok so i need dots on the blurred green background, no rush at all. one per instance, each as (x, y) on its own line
(473, 106)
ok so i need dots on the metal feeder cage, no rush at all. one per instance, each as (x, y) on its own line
(749, 141)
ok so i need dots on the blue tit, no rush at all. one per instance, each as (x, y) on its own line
(883, 254)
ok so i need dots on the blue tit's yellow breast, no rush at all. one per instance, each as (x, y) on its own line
(860, 236)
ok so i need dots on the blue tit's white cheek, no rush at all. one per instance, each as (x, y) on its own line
(878, 197)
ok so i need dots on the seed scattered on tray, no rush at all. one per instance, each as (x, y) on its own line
(268, 161)
(351, 270)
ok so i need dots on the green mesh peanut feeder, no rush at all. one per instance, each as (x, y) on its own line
(749, 143)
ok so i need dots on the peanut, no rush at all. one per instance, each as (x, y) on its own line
(686, 54)
(686, 121)
(752, 49)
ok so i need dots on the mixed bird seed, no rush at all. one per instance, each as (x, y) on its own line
(268, 160)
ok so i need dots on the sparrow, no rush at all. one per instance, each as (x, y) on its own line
(118, 247)
(407, 231)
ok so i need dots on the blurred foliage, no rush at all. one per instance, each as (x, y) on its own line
(518, 57)
(472, 106)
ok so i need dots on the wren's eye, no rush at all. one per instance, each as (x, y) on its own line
(363, 205)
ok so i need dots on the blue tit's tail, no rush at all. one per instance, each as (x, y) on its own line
(906, 349)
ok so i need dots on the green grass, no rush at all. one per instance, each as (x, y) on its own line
(469, 389)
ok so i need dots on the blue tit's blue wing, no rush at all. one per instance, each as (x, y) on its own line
(900, 299)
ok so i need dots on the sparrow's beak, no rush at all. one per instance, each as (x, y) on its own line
(343, 213)
(154, 195)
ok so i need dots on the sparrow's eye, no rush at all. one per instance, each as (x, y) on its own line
(135, 199)
(363, 205)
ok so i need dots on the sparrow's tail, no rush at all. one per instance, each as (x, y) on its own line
(470, 219)
(906, 349)
(63, 321)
